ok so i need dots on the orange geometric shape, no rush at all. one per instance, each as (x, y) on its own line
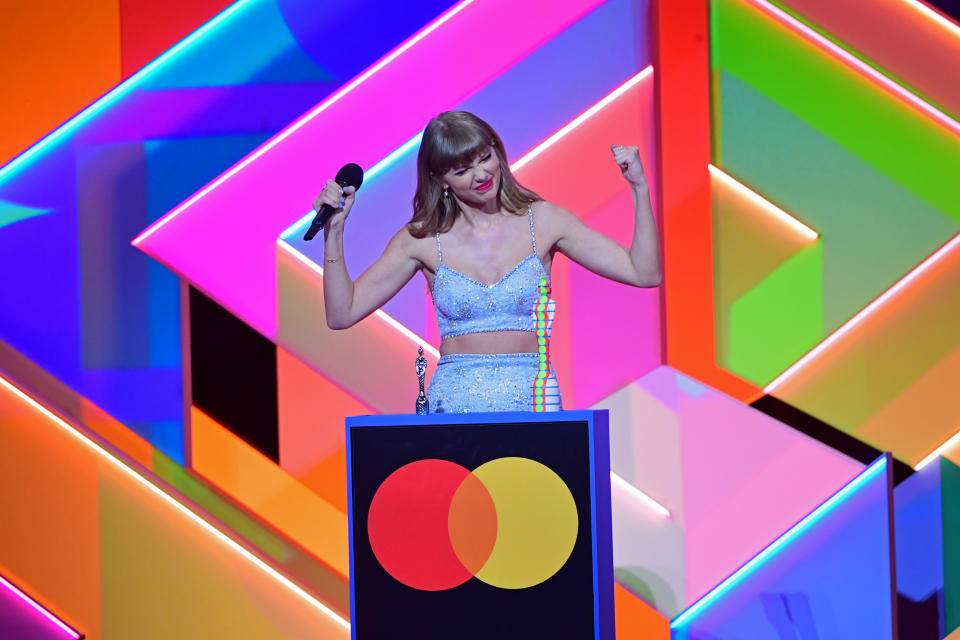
(49, 487)
(636, 619)
(59, 56)
(312, 412)
(899, 37)
(267, 490)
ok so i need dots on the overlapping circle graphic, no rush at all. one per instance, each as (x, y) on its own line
(511, 523)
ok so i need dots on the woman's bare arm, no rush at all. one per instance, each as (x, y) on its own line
(638, 265)
(347, 302)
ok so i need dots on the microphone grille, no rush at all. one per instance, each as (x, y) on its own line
(350, 175)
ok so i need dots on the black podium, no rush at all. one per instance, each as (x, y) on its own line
(482, 525)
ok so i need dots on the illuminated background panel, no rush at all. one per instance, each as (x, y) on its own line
(754, 250)
(312, 411)
(268, 491)
(267, 539)
(830, 576)
(62, 56)
(88, 308)
(927, 523)
(896, 37)
(76, 48)
(779, 142)
(732, 478)
(634, 619)
(190, 239)
(137, 558)
(891, 380)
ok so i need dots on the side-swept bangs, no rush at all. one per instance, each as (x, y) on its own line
(452, 140)
(456, 147)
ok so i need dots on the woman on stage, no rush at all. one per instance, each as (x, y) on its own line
(485, 245)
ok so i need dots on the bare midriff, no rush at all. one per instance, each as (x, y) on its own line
(491, 342)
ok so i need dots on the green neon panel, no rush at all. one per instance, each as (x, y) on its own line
(859, 212)
(950, 495)
(865, 119)
(779, 320)
(749, 243)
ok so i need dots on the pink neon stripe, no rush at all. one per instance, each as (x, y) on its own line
(299, 122)
(866, 311)
(38, 607)
(778, 213)
(245, 210)
(852, 61)
(640, 495)
(583, 117)
(934, 16)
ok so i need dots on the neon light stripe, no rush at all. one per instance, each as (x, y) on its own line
(40, 608)
(794, 532)
(119, 91)
(880, 79)
(866, 311)
(573, 124)
(952, 442)
(323, 106)
(380, 313)
(935, 16)
(170, 500)
(369, 175)
(640, 495)
(763, 203)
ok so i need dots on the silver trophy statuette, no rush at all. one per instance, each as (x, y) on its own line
(423, 405)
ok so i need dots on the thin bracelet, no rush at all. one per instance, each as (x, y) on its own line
(333, 259)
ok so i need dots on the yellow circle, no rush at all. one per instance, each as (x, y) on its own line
(536, 522)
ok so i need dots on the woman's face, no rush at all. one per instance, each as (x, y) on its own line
(477, 183)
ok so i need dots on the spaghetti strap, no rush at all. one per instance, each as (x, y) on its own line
(439, 253)
(533, 236)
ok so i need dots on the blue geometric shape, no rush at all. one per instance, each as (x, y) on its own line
(830, 577)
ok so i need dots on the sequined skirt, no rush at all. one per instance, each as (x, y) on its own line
(472, 382)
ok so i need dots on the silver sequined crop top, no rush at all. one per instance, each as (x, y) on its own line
(466, 306)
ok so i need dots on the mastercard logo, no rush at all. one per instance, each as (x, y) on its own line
(434, 524)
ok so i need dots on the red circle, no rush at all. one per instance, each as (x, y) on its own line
(408, 525)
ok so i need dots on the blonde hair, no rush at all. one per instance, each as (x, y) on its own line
(451, 140)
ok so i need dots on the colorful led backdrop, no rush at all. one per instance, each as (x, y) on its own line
(801, 156)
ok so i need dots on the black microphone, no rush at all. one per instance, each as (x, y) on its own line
(350, 175)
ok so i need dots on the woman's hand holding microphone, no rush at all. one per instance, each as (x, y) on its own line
(339, 198)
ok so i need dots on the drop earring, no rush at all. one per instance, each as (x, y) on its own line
(446, 192)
